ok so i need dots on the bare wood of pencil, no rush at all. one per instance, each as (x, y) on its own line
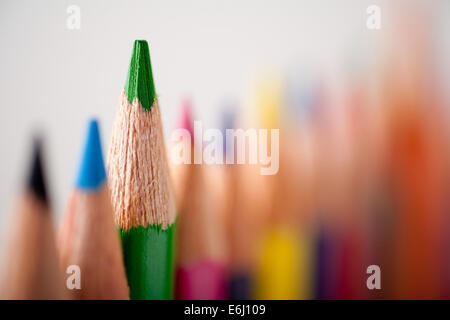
(31, 270)
(195, 239)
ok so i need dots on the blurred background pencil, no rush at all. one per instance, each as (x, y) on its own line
(89, 238)
(247, 202)
(200, 240)
(279, 260)
(140, 185)
(295, 189)
(238, 218)
(31, 270)
(180, 171)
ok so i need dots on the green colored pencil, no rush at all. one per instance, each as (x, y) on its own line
(141, 192)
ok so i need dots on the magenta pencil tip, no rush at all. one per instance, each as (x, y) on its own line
(185, 121)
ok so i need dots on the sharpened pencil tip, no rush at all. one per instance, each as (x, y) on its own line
(92, 170)
(139, 82)
(36, 181)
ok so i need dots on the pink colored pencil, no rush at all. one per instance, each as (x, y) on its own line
(201, 269)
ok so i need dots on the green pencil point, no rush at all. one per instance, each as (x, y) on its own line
(139, 82)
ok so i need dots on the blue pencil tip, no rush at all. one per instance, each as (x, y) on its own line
(92, 170)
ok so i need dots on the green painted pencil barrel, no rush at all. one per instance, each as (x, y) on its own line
(149, 261)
